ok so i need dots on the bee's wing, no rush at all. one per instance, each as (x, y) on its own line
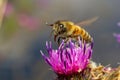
(87, 22)
(2, 9)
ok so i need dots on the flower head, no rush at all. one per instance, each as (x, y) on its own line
(68, 59)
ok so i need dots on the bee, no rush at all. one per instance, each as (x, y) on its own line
(63, 29)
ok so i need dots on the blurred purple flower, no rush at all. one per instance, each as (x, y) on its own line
(118, 24)
(9, 9)
(69, 59)
(117, 37)
(28, 22)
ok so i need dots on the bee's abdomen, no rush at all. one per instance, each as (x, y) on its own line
(85, 35)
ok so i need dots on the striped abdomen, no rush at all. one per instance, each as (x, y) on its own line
(83, 34)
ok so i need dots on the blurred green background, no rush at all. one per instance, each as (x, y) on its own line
(23, 34)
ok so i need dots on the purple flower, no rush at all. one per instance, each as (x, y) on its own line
(118, 24)
(117, 37)
(68, 59)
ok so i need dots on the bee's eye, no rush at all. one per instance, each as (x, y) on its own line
(61, 25)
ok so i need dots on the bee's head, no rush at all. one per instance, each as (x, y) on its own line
(61, 26)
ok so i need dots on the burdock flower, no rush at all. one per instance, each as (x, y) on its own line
(68, 59)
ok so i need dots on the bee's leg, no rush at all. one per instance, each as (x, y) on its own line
(58, 41)
(81, 43)
(82, 40)
(55, 37)
(67, 40)
(77, 43)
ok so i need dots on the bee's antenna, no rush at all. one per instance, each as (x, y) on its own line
(48, 24)
(52, 30)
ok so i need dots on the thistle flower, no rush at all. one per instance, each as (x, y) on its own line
(68, 59)
(117, 36)
(100, 72)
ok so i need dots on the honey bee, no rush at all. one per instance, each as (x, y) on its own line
(63, 29)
